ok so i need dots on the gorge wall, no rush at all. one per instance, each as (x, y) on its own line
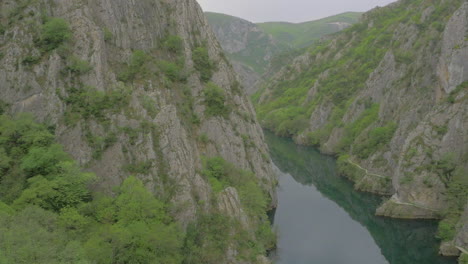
(389, 97)
(138, 88)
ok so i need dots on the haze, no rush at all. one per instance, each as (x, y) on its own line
(288, 10)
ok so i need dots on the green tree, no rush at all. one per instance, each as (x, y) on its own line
(203, 64)
(215, 100)
(55, 32)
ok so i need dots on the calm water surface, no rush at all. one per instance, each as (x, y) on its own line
(322, 220)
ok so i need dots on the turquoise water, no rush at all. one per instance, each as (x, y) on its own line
(320, 219)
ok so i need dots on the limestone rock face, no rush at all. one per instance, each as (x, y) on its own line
(160, 122)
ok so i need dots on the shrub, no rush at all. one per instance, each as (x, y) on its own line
(174, 44)
(107, 35)
(172, 71)
(149, 104)
(377, 138)
(78, 66)
(203, 138)
(447, 228)
(137, 62)
(139, 167)
(463, 258)
(215, 100)
(203, 63)
(3, 107)
(31, 60)
(353, 130)
(55, 32)
(91, 103)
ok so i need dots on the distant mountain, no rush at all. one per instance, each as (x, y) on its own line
(253, 48)
(301, 35)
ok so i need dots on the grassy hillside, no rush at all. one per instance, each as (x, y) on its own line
(304, 34)
(261, 49)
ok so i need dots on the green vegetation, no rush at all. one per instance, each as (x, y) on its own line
(220, 231)
(150, 105)
(338, 71)
(447, 228)
(215, 101)
(356, 128)
(31, 60)
(108, 36)
(32, 168)
(463, 86)
(3, 107)
(78, 66)
(48, 213)
(304, 34)
(54, 32)
(463, 259)
(88, 102)
(136, 65)
(454, 177)
(376, 138)
(139, 168)
(173, 71)
(203, 64)
(273, 40)
(174, 44)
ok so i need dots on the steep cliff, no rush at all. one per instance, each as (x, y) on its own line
(389, 96)
(137, 88)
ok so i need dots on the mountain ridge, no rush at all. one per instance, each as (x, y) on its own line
(251, 48)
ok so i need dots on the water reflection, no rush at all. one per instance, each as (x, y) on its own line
(304, 199)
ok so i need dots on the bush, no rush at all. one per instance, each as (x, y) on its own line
(203, 63)
(150, 105)
(31, 60)
(139, 167)
(353, 130)
(91, 103)
(54, 33)
(174, 44)
(3, 107)
(137, 62)
(107, 35)
(78, 66)
(447, 228)
(223, 230)
(463, 259)
(172, 71)
(215, 101)
(377, 138)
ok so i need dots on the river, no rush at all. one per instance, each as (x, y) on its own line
(320, 219)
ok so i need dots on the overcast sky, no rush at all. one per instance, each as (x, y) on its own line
(288, 10)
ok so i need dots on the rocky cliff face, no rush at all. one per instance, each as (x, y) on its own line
(126, 96)
(389, 96)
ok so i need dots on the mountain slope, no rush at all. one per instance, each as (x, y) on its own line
(252, 47)
(142, 88)
(301, 35)
(248, 47)
(389, 96)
